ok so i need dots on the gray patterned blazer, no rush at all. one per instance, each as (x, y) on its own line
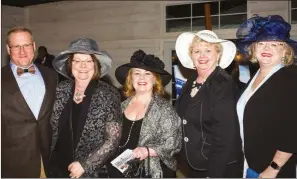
(161, 130)
(101, 133)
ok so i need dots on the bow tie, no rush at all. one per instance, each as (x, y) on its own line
(20, 71)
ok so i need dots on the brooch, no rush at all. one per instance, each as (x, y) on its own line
(195, 88)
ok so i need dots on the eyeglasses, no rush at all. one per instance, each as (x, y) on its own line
(79, 62)
(271, 45)
(17, 48)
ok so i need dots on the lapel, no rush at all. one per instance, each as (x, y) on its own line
(203, 91)
(125, 103)
(85, 109)
(49, 86)
(262, 92)
(88, 128)
(188, 84)
(187, 87)
(146, 130)
(14, 94)
(64, 92)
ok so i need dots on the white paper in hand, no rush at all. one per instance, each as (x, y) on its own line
(121, 161)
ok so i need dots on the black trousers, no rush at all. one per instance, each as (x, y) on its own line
(233, 170)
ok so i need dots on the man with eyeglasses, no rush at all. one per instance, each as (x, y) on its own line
(28, 94)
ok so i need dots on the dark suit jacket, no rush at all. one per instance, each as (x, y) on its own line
(210, 125)
(24, 139)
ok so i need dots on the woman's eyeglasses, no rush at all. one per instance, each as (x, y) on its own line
(271, 45)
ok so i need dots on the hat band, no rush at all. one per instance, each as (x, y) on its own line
(145, 66)
(272, 37)
(207, 35)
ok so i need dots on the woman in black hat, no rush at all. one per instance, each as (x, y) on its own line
(267, 108)
(148, 119)
(85, 119)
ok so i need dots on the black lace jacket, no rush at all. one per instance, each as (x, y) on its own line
(101, 133)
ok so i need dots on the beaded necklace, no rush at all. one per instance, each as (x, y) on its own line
(128, 135)
(131, 128)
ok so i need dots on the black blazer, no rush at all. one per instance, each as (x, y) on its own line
(270, 122)
(210, 125)
(23, 138)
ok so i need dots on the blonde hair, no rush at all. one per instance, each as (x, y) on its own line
(289, 55)
(197, 40)
(128, 89)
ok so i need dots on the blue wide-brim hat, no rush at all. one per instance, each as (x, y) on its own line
(271, 28)
(148, 62)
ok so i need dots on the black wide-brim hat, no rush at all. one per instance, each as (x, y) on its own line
(143, 61)
(84, 46)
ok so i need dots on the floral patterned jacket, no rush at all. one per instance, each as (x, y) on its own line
(101, 133)
(161, 130)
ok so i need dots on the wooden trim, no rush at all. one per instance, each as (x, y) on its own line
(208, 24)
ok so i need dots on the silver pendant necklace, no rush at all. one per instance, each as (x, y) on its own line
(78, 96)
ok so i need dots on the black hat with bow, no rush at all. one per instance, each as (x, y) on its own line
(143, 61)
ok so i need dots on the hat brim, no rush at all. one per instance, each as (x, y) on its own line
(184, 41)
(61, 66)
(122, 72)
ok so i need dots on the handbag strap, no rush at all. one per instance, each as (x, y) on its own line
(148, 160)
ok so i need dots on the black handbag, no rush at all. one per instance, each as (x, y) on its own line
(136, 168)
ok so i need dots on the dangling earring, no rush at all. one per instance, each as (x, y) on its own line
(254, 59)
(284, 60)
(218, 60)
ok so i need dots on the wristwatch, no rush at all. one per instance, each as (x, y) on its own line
(275, 166)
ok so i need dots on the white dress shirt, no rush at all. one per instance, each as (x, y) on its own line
(32, 88)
